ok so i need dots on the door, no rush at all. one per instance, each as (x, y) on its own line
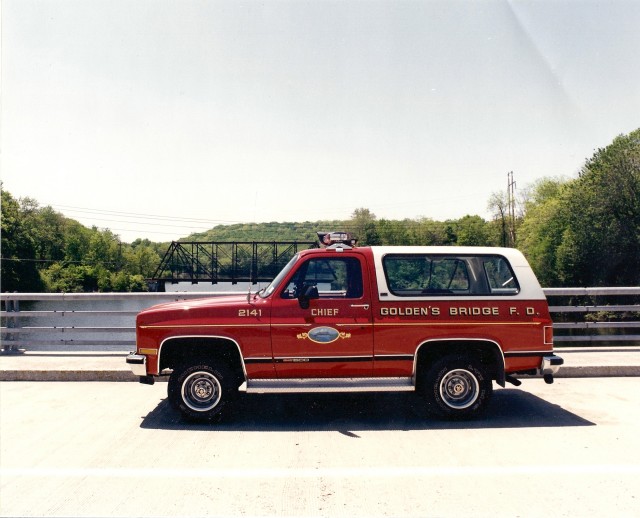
(331, 335)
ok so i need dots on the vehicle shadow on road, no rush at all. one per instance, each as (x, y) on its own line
(349, 413)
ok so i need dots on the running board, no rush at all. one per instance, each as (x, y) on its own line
(268, 386)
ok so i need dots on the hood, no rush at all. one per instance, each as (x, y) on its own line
(208, 302)
(223, 305)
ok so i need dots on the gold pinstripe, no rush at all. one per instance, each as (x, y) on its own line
(374, 324)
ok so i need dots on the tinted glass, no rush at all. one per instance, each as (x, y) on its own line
(499, 275)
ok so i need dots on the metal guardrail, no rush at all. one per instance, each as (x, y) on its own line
(66, 319)
(65, 323)
(590, 330)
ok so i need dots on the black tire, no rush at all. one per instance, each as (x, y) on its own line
(201, 391)
(457, 387)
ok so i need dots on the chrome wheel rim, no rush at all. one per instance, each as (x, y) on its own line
(201, 391)
(459, 389)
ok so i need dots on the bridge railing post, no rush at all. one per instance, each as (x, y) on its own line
(13, 322)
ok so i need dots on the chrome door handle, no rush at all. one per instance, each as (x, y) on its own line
(365, 306)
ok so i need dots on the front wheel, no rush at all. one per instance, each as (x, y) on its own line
(201, 391)
(457, 387)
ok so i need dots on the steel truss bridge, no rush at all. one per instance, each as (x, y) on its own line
(193, 261)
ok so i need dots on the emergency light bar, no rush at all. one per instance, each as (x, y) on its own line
(336, 238)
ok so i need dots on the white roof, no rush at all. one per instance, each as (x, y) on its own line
(514, 256)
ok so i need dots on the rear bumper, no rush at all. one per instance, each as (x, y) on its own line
(137, 363)
(550, 364)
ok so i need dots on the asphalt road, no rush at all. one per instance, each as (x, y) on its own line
(118, 449)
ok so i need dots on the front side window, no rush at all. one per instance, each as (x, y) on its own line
(334, 278)
(283, 273)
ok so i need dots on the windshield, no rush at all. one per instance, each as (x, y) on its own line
(275, 282)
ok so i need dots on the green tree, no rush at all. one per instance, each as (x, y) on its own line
(76, 241)
(544, 229)
(104, 249)
(603, 211)
(141, 260)
(48, 227)
(428, 232)
(499, 207)
(137, 283)
(473, 231)
(363, 223)
(119, 282)
(19, 267)
(70, 279)
(393, 232)
(586, 232)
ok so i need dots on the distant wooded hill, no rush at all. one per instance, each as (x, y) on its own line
(273, 231)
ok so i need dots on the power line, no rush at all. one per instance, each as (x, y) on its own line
(105, 212)
(146, 224)
(63, 261)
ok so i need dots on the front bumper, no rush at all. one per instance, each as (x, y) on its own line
(137, 363)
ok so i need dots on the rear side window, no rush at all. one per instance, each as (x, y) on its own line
(411, 275)
(500, 276)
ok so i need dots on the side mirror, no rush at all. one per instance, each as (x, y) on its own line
(309, 292)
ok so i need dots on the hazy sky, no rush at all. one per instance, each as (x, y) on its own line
(158, 118)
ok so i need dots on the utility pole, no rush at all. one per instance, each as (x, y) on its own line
(511, 208)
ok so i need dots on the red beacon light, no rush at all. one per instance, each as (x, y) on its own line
(336, 239)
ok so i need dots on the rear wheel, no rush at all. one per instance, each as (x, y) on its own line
(457, 387)
(201, 391)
